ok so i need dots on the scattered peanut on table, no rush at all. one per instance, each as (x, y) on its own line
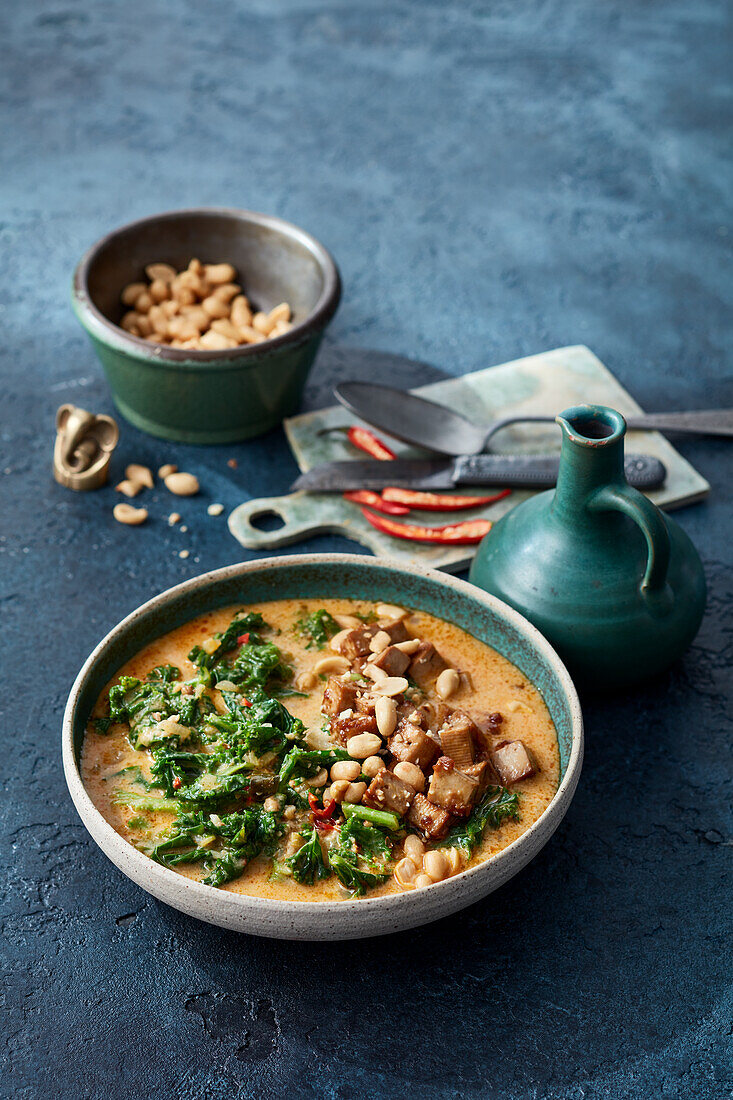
(201, 309)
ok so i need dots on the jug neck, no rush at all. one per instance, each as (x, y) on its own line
(592, 456)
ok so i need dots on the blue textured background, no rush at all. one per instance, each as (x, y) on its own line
(494, 179)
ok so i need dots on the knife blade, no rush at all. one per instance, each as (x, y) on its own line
(502, 471)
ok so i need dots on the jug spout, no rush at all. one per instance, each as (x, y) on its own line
(592, 455)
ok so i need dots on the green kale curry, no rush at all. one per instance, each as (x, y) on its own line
(316, 750)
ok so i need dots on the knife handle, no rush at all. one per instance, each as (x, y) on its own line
(540, 471)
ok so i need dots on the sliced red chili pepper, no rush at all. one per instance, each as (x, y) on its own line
(321, 813)
(455, 534)
(437, 502)
(366, 496)
(368, 441)
(244, 701)
(243, 639)
(324, 826)
(176, 784)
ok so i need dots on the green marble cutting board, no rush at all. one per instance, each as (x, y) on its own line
(545, 383)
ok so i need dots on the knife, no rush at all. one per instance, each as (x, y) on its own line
(415, 420)
(505, 471)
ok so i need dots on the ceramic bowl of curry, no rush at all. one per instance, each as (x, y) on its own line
(282, 673)
(196, 396)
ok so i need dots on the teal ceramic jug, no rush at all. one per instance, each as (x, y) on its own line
(614, 584)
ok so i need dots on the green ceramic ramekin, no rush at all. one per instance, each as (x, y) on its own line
(209, 396)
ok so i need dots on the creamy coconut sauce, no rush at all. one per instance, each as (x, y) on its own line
(492, 684)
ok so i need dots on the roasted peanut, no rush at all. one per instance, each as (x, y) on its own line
(129, 488)
(215, 341)
(241, 313)
(169, 468)
(131, 293)
(164, 272)
(435, 864)
(306, 681)
(226, 291)
(159, 290)
(414, 848)
(318, 780)
(226, 328)
(390, 611)
(385, 711)
(346, 769)
(199, 308)
(339, 789)
(391, 685)
(404, 872)
(331, 664)
(447, 683)
(182, 484)
(261, 321)
(133, 517)
(410, 773)
(139, 474)
(251, 335)
(363, 745)
(355, 792)
(372, 765)
(218, 274)
(379, 642)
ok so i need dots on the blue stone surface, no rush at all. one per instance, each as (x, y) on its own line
(494, 180)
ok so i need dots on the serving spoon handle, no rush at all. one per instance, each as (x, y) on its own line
(716, 422)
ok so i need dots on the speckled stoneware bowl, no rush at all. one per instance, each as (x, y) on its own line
(209, 396)
(329, 575)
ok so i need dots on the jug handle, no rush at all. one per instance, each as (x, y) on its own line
(622, 498)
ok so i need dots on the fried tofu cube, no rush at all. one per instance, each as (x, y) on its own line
(366, 702)
(513, 762)
(413, 745)
(388, 792)
(347, 724)
(457, 738)
(483, 772)
(338, 696)
(452, 789)
(434, 713)
(392, 661)
(356, 642)
(433, 822)
(397, 631)
(426, 663)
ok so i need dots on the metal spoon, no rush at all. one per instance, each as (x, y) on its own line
(436, 427)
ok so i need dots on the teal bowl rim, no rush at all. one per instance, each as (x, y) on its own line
(101, 328)
(331, 575)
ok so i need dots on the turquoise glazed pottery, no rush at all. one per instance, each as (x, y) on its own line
(323, 575)
(209, 396)
(613, 583)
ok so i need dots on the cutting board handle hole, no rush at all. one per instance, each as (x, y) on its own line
(269, 520)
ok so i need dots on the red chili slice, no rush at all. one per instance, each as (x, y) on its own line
(177, 784)
(367, 441)
(437, 502)
(324, 826)
(243, 639)
(324, 812)
(366, 496)
(244, 701)
(455, 534)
